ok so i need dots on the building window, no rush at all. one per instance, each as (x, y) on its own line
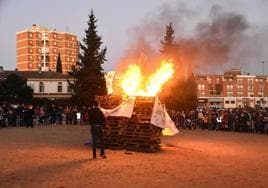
(41, 87)
(72, 38)
(54, 36)
(59, 87)
(55, 50)
(69, 89)
(55, 43)
(227, 102)
(229, 94)
(30, 65)
(30, 35)
(68, 59)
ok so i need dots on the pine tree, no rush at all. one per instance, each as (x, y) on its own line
(88, 74)
(59, 65)
(14, 89)
(168, 43)
(183, 95)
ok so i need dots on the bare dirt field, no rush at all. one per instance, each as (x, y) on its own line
(56, 157)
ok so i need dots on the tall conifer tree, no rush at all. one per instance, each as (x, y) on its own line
(168, 43)
(59, 65)
(89, 80)
(183, 95)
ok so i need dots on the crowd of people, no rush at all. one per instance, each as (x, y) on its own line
(28, 115)
(238, 119)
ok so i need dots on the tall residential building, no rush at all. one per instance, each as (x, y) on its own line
(39, 47)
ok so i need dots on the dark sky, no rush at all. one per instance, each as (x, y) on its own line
(121, 21)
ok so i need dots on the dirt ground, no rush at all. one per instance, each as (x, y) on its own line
(57, 157)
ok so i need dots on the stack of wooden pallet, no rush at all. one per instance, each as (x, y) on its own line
(138, 133)
(109, 101)
(112, 132)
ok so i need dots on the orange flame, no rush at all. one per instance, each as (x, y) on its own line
(135, 84)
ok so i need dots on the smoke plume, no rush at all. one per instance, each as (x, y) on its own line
(223, 39)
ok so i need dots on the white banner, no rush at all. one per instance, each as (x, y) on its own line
(158, 116)
(123, 110)
(109, 77)
(171, 128)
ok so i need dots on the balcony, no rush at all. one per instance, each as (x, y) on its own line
(44, 50)
(45, 36)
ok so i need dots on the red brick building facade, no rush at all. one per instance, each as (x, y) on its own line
(232, 89)
(38, 47)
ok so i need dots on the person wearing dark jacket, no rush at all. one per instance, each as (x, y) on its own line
(29, 113)
(97, 121)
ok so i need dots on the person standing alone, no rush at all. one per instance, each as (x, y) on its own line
(97, 121)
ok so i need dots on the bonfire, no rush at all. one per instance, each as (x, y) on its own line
(136, 119)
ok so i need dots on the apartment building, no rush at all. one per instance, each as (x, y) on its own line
(39, 47)
(232, 90)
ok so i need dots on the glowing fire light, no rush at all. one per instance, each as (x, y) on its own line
(135, 84)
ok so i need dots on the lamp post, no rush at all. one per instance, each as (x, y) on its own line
(262, 67)
(262, 86)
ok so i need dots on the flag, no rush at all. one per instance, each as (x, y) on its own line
(109, 77)
(158, 115)
(123, 110)
(170, 129)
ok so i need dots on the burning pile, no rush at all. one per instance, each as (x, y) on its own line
(129, 125)
(139, 134)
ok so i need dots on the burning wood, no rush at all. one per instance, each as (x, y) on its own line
(136, 132)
